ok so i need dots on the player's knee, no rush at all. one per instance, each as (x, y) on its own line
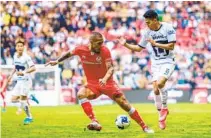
(15, 99)
(81, 94)
(156, 91)
(161, 85)
(23, 97)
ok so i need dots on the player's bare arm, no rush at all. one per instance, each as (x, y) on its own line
(109, 73)
(169, 46)
(132, 47)
(60, 59)
(11, 75)
(29, 70)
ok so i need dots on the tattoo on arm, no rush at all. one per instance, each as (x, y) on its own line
(65, 56)
(110, 70)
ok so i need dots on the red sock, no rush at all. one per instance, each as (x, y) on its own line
(135, 116)
(88, 110)
(4, 103)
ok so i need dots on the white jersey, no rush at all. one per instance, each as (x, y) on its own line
(22, 63)
(165, 34)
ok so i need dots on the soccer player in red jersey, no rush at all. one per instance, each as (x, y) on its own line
(3, 85)
(97, 64)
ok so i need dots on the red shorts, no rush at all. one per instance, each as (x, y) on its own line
(111, 90)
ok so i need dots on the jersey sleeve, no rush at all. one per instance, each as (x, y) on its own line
(171, 34)
(29, 61)
(107, 55)
(143, 42)
(76, 51)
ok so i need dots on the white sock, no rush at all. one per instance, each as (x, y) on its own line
(132, 110)
(158, 104)
(25, 106)
(164, 97)
(84, 100)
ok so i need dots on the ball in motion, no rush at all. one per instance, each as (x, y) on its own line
(122, 121)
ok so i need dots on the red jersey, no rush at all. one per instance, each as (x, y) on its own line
(2, 79)
(94, 64)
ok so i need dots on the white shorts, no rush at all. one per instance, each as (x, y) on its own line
(22, 88)
(162, 70)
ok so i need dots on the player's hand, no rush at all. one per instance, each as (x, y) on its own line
(153, 43)
(52, 63)
(102, 82)
(121, 40)
(20, 73)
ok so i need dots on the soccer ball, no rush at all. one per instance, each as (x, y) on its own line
(122, 121)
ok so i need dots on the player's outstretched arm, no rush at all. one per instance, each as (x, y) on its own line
(136, 48)
(60, 59)
(31, 69)
(10, 76)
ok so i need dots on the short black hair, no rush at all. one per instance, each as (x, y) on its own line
(151, 14)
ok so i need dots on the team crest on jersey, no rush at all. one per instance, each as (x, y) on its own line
(83, 57)
(98, 59)
(171, 32)
(92, 53)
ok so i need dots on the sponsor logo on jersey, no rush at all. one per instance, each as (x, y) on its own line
(154, 37)
(98, 59)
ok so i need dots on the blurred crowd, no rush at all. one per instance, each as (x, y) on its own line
(52, 28)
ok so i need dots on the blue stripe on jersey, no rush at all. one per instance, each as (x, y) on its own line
(18, 67)
(141, 46)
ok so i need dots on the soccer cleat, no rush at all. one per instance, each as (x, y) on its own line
(94, 126)
(33, 98)
(27, 121)
(3, 110)
(162, 124)
(148, 130)
(163, 114)
(162, 118)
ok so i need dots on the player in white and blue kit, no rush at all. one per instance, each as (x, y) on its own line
(159, 39)
(23, 67)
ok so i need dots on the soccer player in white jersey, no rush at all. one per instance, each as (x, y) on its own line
(23, 67)
(159, 39)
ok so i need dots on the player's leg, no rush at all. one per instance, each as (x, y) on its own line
(164, 96)
(160, 84)
(166, 71)
(4, 101)
(114, 93)
(84, 95)
(25, 106)
(124, 104)
(16, 97)
(16, 101)
(25, 88)
(157, 97)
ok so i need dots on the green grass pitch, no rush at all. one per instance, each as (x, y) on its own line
(184, 121)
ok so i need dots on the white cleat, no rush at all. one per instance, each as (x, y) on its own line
(148, 130)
